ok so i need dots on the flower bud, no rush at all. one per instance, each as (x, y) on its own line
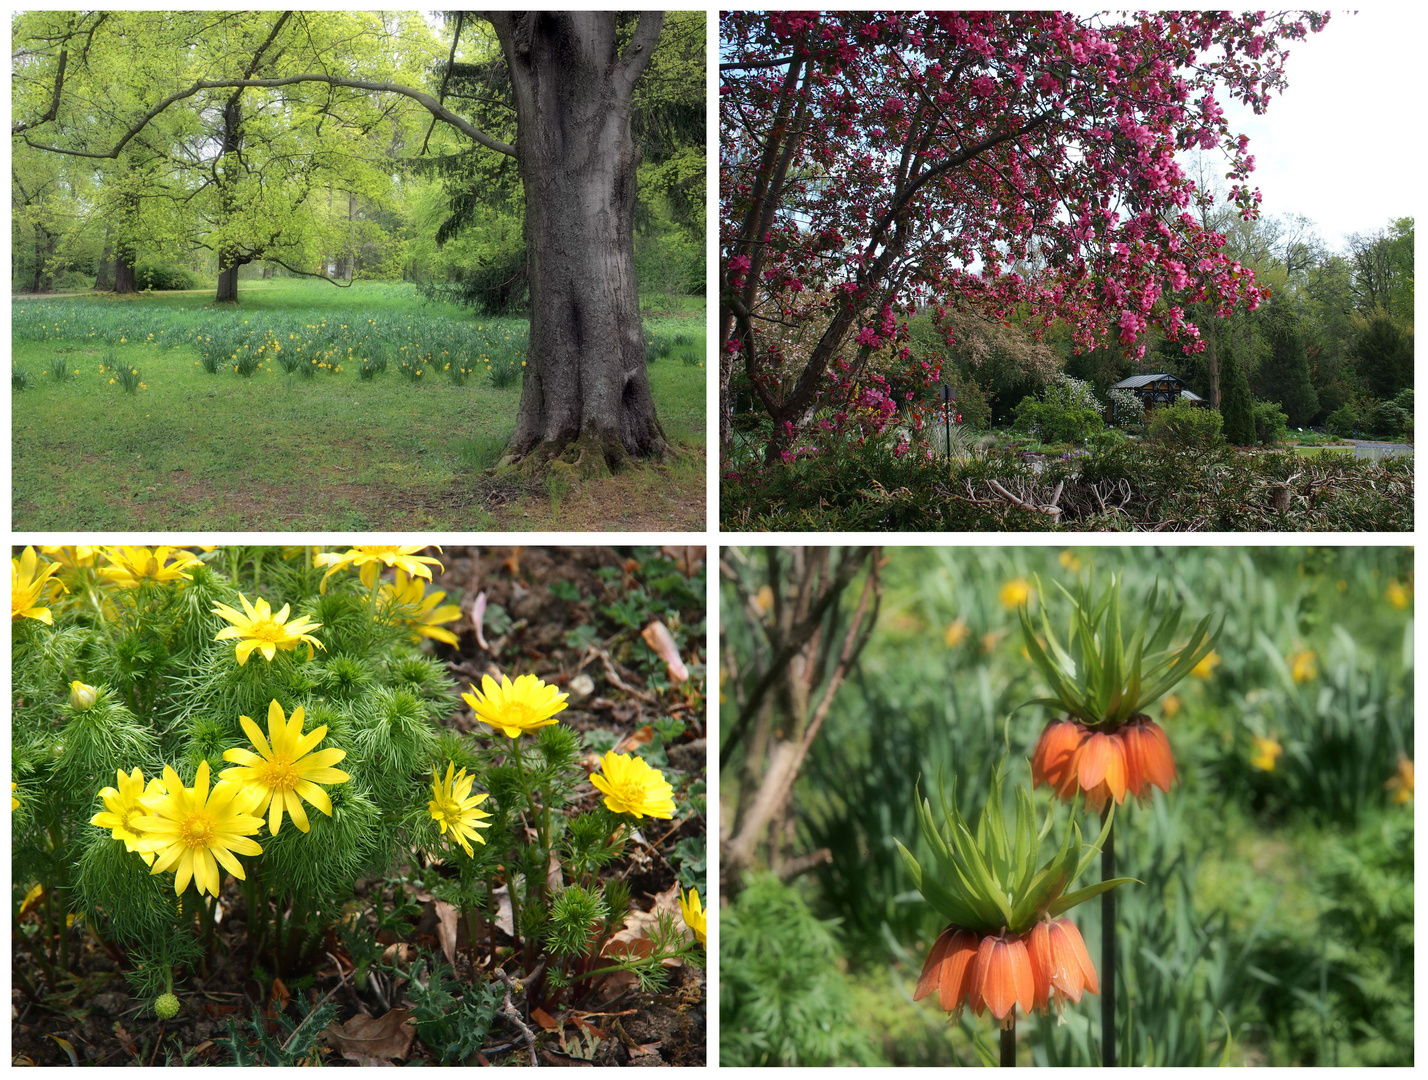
(82, 696)
(166, 1006)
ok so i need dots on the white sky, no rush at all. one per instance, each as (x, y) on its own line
(1343, 144)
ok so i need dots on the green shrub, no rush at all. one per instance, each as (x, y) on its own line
(1055, 422)
(783, 997)
(1271, 426)
(1184, 426)
(1343, 421)
(1388, 418)
(162, 277)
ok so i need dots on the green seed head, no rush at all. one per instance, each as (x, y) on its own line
(166, 1006)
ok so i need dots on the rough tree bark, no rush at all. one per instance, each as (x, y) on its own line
(585, 399)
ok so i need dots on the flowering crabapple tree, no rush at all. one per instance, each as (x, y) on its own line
(1001, 161)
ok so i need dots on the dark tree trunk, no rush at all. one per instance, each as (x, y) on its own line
(228, 285)
(104, 279)
(44, 276)
(267, 271)
(585, 398)
(124, 272)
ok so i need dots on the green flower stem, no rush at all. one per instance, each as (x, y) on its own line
(1108, 951)
(541, 821)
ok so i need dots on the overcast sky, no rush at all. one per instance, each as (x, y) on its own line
(1344, 144)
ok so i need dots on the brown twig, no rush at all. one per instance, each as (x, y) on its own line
(508, 1010)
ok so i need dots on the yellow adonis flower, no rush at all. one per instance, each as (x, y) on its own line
(955, 633)
(370, 558)
(260, 629)
(515, 707)
(122, 808)
(28, 585)
(192, 831)
(425, 617)
(453, 807)
(14, 802)
(631, 786)
(1266, 753)
(694, 916)
(132, 566)
(286, 772)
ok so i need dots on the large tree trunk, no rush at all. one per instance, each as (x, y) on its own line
(124, 272)
(104, 278)
(586, 396)
(228, 285)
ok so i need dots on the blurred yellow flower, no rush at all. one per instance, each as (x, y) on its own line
(370, 558)
(1203, 669)
(1170, 706)
(132, 566)
(992, 639)
(1014, 593)
(421, 611)
(1402, 784)
(1070, 562)
(1303, 666)
(1398, 595)
(1266, 752)
(955, 633)
(764, 600)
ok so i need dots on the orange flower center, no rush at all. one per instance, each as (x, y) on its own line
(197, 831)
(277, 773)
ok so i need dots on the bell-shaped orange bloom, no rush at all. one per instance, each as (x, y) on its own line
(1103, 764)
(997, 972)
(1060, 962)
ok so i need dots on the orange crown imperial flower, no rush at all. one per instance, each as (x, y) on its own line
(1106, 747)
(1006, 944)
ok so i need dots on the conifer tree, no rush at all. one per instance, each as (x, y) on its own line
(1236, 405)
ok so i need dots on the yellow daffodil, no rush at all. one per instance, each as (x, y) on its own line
(453, 807)
(424, 615)
(28, 585)
(1014, 593)
(694, 915)
(1397, 595)
(132, 566)
(1203, 669)
(631, 786)
(1266, 753)
(955, 633)
(370, 558)
(192, 831)
(122, 808)
(286, 772)
(1402, 784)
(515, 708)
(1303, 666)
(260, 629)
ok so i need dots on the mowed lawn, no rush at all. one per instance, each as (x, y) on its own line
(325, 450)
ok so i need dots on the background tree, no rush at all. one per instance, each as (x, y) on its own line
(1283, 374)
(1236, 403)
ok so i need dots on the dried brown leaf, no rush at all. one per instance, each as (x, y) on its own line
(658, 638)
(373, 1041)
